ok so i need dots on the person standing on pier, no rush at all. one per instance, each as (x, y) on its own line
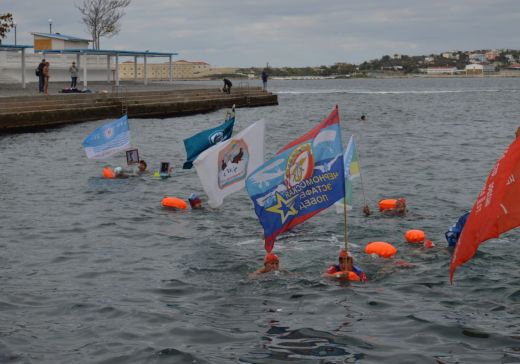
(73, 75)
(265, 76)
(39, 73)
(46, 78)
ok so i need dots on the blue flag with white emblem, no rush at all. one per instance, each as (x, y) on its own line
(108, 139)
(301, 180)
(207, 138)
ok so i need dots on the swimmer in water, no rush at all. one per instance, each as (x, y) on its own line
(346, 264)
(271, 264)
(141, 167)
(195, 201)
(363, 117)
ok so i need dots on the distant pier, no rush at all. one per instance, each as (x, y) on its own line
(28, 113)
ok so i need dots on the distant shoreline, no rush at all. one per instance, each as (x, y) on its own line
(512, 74)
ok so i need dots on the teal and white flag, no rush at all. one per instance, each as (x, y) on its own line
(199, 142)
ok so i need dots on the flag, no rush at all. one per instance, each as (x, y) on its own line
(351, 168)
(304, 178)
(223, 168)
(108, 139)
(496, 209)
(207, 138)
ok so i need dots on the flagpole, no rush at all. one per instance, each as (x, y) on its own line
(345, 214)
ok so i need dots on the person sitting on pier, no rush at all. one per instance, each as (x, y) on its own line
(227, 86)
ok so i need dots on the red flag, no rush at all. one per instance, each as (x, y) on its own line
(496, 210)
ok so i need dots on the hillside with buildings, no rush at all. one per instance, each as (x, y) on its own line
(114, 65)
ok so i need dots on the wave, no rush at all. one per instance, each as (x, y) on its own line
(418, 92)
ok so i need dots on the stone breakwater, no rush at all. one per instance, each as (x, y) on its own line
(27, 113)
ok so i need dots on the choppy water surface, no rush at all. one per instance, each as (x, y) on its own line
(95, 271)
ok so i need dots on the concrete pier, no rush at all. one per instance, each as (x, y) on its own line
(27, 113)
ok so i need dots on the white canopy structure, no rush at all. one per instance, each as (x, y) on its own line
(82, 53)
(16, 48)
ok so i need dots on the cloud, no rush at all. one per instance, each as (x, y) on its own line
(288, 32)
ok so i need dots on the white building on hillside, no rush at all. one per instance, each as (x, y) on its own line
(477, 69)
(441, 70)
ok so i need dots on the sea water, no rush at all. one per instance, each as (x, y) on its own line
(96, 271)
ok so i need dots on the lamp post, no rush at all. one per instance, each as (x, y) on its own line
(14, 25)
(50, 25)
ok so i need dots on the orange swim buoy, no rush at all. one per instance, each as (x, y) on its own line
(415, 236)
(174, 202)
(108, 173)
(388, 204)
(381, 248)
(351, 276)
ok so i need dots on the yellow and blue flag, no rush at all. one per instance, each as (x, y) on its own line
(301, 180)
(351, 160)
(108, 139)
(205, 139)
(351, 167)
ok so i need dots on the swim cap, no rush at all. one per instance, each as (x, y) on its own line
(270, 258)
(428, 244)
(194, 201)
(343, 253)
(118, 171)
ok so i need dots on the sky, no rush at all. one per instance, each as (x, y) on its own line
(292, 33)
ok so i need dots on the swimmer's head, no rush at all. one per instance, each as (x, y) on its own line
(195, 201)
(142, 166)
(118, 171)
(271, 262)
(345, 260)
(271, 257)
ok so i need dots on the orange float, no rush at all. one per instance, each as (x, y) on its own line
(381, 248)
(108, 173)
(350, 275)
(415, 236)
(388, 204)
(174, 202)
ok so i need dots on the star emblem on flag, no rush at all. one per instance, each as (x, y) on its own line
(283, 207)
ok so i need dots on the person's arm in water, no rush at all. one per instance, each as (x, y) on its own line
(333, 272)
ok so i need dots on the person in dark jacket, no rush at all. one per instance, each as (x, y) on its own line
(227, 86)
(41, 76)
(265, 76)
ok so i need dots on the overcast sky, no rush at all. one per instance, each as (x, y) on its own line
(245, 33)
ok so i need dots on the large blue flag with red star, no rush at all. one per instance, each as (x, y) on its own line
(301, 180)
